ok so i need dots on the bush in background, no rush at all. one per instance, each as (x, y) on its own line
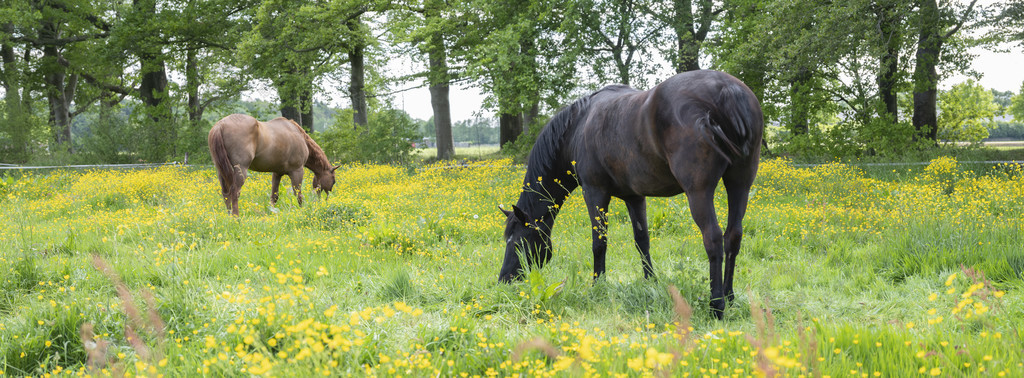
(1006, 130)
(388, 137)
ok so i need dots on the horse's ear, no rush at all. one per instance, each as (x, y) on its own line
(503, 211)
(520, 214)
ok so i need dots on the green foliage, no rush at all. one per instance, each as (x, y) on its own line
(966, 112)
(849, 139)
(1006, 130)
(1016, 108)
(540, 290)
(478, 130)
(109, 137)
(387, 138)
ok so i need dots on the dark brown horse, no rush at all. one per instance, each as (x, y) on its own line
(683, 136)
(239, 143)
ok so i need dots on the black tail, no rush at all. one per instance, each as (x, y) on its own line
(735, 121)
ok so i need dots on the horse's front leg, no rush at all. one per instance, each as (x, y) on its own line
(296, 177)
(275, 182)
(702, 208)
(597, 207)
(637, 207)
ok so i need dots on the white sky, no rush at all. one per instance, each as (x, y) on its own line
(1000, 71)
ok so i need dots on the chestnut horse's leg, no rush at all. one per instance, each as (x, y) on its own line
(275, 182)
(597, 206)
(637, 207)
(236, 189)
(702, 208)
(225, 192)
(296, 177)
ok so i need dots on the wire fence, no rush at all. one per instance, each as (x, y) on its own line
(86, 166)
(990, 162)
(5, 166)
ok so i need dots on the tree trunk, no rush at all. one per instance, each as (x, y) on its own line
(687, 40)
(289, 98)
(622, 67)
(531, 115)
(357, 86)
(54, 75)
(799, 92)
(437, 76)
(306, 107)
(889, 32)
(296, 102)
(15, 123)
(926, 78)
(152, 92)
(195, 110)
(291, 112)
(442, 121)
(510, 127)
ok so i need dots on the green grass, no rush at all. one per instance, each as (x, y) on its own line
(843, 271)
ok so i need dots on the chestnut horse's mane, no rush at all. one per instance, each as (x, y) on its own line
(317, 160)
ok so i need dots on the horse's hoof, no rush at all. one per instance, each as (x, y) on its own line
(718, 309)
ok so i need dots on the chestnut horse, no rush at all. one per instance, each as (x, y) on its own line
(683, 136)
(239, 143)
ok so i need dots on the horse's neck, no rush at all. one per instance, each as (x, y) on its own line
(317, 160)
(544, 196)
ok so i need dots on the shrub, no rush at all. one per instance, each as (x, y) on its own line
(386, 138)
(1006, 130)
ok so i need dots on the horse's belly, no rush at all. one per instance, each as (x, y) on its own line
(269, 162)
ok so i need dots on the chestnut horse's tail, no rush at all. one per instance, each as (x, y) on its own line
(735, 121)
(220, 159)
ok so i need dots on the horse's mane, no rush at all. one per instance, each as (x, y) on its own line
(317, 160)
(554, 137)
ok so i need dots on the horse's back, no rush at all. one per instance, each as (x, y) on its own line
(660, 142)
(235, 133)
(615, 150)
(273, 146)
(281, 146)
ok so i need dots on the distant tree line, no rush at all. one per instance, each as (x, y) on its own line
(144, 76)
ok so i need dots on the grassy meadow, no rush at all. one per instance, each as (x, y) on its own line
(900, 271)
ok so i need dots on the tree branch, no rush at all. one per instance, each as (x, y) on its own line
(94, 81)
(967, 13)
(59, 41)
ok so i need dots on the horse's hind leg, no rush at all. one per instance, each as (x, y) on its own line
(637, 207)
(737, 186)
(702, 208)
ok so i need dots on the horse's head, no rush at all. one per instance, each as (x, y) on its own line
(324, 182)
(523, 240)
